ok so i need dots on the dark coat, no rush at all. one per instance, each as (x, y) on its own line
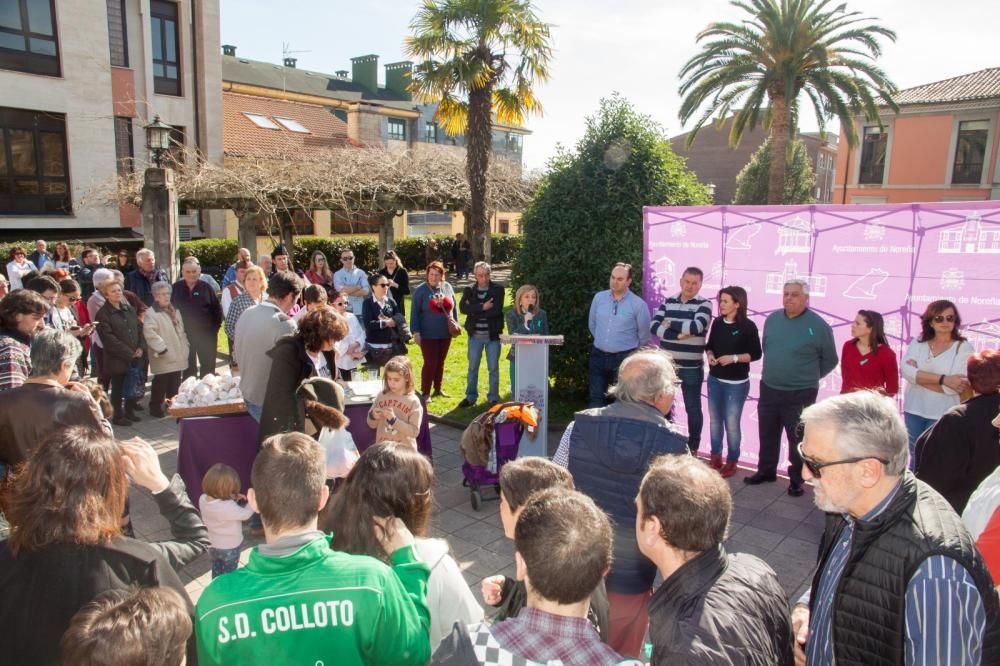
(121, 334)
(42, 590)
(290, 365)
(955, 454)
(199, 307)
(402, 278)
(370, 311)
(30, 412)
(473, 310)
(721, 609)
(137, 283)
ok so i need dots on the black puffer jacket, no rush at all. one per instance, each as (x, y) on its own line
(721, 609)
(121, 334)
(290, 365)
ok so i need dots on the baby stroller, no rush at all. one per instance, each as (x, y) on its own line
(490, 441)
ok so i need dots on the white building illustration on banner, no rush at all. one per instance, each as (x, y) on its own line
(864, 287)
(984, 335)
(678, 229)
(776, 280)
(874, 230)
(739, 238)
(952, 279)
(794, 237)
(713, 278)
(663, 277)
(972, 237)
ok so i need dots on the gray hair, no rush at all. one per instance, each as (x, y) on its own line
(51, 349)
(191, 260)
(144, 252)
(485, 266)
(161, 286)
(645, 376)
(800, 282)
(867, 424)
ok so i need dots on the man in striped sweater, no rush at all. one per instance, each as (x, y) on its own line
(681, 323)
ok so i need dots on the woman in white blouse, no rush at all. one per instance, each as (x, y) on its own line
(351, 349)
(17, 267)
(934, 368)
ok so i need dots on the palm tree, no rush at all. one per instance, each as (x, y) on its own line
(480, 59)
(784, 49)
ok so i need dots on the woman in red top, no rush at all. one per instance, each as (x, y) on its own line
(867, 361)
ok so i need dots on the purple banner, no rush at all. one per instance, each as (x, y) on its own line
(893, 259)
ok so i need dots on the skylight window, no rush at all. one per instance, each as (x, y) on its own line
(292, 125)
(261, 121)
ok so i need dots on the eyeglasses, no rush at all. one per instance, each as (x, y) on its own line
(74, 299)
(320, 260)
(347, 258)
(340, 304)
(944, 318)
(814, 466)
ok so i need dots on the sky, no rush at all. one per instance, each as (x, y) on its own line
(634, 47)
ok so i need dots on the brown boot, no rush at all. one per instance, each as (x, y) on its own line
(715, 462)
(728, 469)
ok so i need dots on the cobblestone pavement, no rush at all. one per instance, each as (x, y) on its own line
(766, 522)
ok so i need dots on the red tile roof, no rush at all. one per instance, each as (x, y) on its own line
(984, 84)
(242, 137)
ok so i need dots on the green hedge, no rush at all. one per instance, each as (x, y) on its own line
(413, 251)
(209, 251)
(365, 249)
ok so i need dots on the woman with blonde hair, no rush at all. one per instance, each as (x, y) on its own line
(319, 270)
(255, 291)
(525, 318)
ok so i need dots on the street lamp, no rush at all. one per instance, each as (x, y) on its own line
(158, 139)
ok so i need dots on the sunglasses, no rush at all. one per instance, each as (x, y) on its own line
(74, 299)
(340, 304)
(381, 284)
(347, 258)
(944, 318)
(814, 466)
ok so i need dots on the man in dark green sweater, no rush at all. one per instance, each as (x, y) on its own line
(798, 352)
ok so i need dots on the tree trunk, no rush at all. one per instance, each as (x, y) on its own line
(780, 121)
(246, 233)
(478, 143)
(287, 231)
(386, 235)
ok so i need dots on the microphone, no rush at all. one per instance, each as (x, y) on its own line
(531, 308)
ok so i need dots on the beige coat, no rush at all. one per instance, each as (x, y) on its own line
(168, 345)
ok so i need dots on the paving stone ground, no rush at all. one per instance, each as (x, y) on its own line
(783, 530)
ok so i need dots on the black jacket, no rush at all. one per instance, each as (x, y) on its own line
(473, 309)
(375, 333)
(121, 334)
(721, 609)
(869, 606)
(137, 283)
(290, 365)
(199, 307)
(42, 590)
(955, 454)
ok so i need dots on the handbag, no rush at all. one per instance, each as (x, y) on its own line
(454, 328)
(379, 356)
(135, 381)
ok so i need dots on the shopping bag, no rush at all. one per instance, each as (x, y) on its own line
(341, 453)
(135, 381)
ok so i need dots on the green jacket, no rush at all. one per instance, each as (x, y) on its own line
(315, 606)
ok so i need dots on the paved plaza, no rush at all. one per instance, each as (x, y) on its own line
(768, 523)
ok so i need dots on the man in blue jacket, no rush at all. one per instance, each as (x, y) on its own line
(607, 450)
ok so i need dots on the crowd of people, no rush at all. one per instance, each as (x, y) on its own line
(618, 541)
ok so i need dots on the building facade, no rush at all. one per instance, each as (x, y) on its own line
(364, 112)
(941, 146)
(80, 79)
(716, 163)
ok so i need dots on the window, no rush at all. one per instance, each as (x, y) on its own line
(292, 125)
(117, 33)
(873, 148)
(34, 173)
(397, 129)
(28, 40)
(261, 121)
(124, 146)
(514, 143)
(431, 132)
(166, 51)
(504, 226)
(175, 155)
(970, 153)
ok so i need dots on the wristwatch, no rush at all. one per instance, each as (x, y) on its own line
(941, 380)
(736, 358)
(391, 420)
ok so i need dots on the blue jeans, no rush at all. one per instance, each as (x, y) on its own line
(691, 380)
(725, 409)
(602, 372)
(492, 348)
(253, 410)
(224, 560)
(915, 427)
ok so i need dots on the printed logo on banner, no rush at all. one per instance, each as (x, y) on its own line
(864, 287)
(777, 280)
(972, 237)
(740, 238)
(795, 237)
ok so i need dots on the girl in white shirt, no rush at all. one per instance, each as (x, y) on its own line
(351, 349)
(934, 368)
(223, 509)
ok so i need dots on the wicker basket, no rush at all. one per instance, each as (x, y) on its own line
(210, 410)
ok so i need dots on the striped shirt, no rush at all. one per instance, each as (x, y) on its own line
(945, 617)
(691, 318)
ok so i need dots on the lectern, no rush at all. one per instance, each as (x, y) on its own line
(531, 383)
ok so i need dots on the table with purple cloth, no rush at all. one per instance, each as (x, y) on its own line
(207, 440)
